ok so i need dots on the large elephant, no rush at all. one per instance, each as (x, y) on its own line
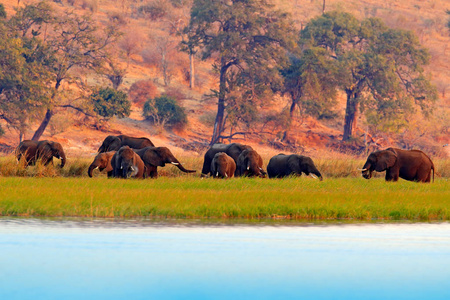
(283, 165)
(41, 150)
(232, 150)
(113, 143)
(103, 162)
(222, 166)
(155, 157)
(126, 163)
(249, 163)
(413, 165)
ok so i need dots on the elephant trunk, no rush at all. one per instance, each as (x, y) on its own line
(175, 162)
(92, 167)
(63, 159)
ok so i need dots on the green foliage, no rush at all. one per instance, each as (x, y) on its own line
(109, 102)
(310, 80)
(164, 110)
(380, 69)
(248, 42)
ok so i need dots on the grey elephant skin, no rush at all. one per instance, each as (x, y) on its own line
(222, 166)
(412, 165)
(233, 150)
(40, 150)
(154, 157)
(283, 165)
(249, 163)
(113, 143)
(102, 161)
(126, 163)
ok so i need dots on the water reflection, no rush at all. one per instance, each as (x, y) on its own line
(172, 259)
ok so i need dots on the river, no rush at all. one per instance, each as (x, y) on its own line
(142, 259)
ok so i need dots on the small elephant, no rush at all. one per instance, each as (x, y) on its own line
(249, 163)
(233, 150)
(103, 162)
(155, 157)
(43, 150)
(222, 166)
(412, 165)
(113, 143)
(126, 163)
(283, 165)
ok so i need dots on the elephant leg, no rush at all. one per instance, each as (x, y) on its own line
(391, 175)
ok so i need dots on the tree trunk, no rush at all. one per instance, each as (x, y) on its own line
(37, 135)
(351, 113)
(191, 71)
(48, 115)
(219, 124)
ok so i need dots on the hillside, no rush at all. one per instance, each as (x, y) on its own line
(143, 34)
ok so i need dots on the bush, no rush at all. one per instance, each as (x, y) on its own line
(164, 110)
(155, 10)
(142, 90)
(2, 11)
(109, 102)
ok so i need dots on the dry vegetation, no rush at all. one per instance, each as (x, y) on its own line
(152, 59)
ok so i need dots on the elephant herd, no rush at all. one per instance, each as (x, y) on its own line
(125, 157)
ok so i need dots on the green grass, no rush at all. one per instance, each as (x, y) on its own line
(192, 197)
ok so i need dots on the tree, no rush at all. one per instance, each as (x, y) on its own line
(310, 80)
(379, 69)
(23, 79)
(109, 102)
(76, 43)
(247, 41)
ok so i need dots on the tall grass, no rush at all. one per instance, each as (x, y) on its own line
(191, 197)
(330, 167)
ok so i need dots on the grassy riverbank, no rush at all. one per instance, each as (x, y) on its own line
(191, 197)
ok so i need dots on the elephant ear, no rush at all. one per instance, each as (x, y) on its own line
(385, 159)
(44, 148)
(151, 157)
(115, 144)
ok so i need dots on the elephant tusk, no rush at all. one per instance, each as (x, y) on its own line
(248, 168)
(313, 176)
(226, 175)
(174, 163)
(96, 167)
(362, 170)
(217, 174)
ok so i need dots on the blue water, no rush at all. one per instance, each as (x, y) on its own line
(48, 259)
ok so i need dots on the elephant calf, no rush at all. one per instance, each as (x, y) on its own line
(102, 162)
(412, 165)
(282, 165)
(222, 166)
(43, 150)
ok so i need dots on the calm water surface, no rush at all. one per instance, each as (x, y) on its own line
(70, 259)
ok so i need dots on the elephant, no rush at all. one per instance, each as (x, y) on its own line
(103, 162)
(283, 165)
(233, 150)
(249, 163)
(154, 157)
(222, 166)
(126, 163)
(43, 150)
(113, 143)
(412, 165)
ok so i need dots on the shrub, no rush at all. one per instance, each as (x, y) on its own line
(109, 102)
(164, 110)
(142, 90)
(2, 11)
(155, 10)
